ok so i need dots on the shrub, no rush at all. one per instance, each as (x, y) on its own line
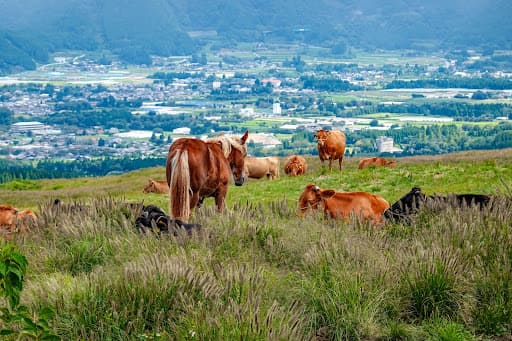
(430, 293)
(18, 321)
(492, 314)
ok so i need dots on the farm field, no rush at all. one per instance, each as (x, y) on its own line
(259, 272)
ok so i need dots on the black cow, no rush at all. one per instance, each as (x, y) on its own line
(409, 204)
(153, 218)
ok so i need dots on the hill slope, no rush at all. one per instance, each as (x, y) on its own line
(136, 29)
(472, 171)
(259, 272)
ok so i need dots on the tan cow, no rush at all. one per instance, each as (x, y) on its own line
(14, 220)
(258, 167)
(156, 186)
(295, 165)
(342, 204)
(331, 146)
(375, 161)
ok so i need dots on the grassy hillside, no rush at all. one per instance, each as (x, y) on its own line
(258, 272)
(472, 171)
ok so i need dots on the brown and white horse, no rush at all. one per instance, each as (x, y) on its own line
(197, 169)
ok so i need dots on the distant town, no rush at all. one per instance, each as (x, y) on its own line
(52, 113)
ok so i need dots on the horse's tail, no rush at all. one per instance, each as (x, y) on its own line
(179, 187)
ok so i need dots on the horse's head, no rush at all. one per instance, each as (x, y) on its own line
(237, 156)
(235, 151)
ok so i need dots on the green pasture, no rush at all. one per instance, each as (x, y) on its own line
(258, 271)
(474, 171)
(380, 58)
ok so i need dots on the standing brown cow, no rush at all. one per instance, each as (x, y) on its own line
(375, 161)
(331, 146)
(295, 165)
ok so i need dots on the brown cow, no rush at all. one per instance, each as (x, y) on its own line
(13, 220)
(295, 165)
(156, 186)
(376, 161)
(343, 204)
(331, 146)
(258, 167)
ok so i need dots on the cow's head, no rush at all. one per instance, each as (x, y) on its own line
(311, 196)
(321, 136)
(295, 167)
(150, 187)
(409, 202)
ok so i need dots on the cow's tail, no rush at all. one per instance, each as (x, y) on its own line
(179, 187)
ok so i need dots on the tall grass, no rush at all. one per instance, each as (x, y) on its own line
(259, 272)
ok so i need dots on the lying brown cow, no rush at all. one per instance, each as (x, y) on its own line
(376, 161)
(331, 146)
(295, 165)
(14, 220)
(156, 186)
(258, 167)
(342, 204)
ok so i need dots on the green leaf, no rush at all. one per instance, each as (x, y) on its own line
(43, 324)
(6, 332)
(46, 313)
(14, 300)
(22, 309)
(17, 271)
(20, 259)
(29, 323)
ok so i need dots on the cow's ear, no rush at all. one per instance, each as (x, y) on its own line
(243, 139)
(327, 193)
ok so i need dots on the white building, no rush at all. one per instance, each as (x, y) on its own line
(182, 130)
(385, 145)
(247, 111)
(276, 108)
(26, 126)
(268, 140)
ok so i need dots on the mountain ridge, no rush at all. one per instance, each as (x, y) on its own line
(138, 29)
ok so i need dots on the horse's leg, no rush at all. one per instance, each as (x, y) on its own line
(220, 195)
(194, 199)
(340, 161)
(330, 163)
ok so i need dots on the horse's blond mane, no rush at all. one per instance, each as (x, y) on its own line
(229, 142)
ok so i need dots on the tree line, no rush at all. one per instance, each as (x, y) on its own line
(492, 83)
(52, 169)
(414, 140)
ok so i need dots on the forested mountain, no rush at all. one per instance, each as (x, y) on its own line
(135, 29)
